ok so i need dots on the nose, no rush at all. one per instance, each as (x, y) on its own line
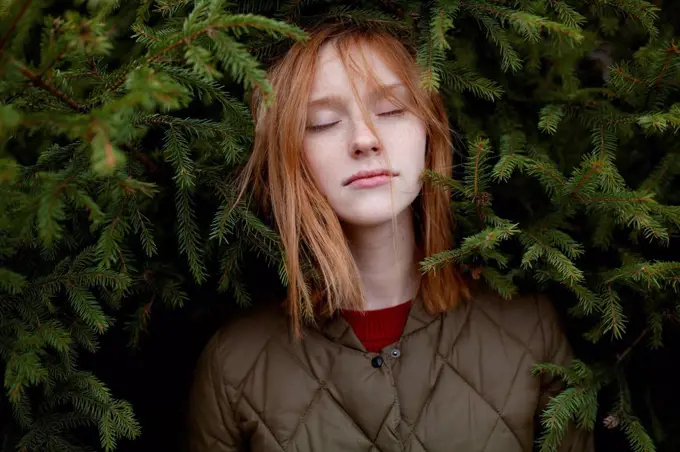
(364, 141)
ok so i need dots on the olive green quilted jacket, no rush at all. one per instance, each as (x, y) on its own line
(458, 381)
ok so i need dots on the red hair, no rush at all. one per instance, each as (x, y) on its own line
(284, 187)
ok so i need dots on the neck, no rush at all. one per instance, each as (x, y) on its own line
(386, 258)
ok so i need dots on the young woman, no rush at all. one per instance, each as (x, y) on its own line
(369, 355)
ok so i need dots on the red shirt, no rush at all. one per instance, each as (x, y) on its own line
(379, 328)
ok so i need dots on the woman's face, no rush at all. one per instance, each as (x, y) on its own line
(341, 150)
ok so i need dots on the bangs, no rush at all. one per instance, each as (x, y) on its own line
(352, 49)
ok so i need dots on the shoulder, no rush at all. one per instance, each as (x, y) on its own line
(530, 319)
(234, 349)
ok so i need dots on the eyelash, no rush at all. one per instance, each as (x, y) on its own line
(326, 126)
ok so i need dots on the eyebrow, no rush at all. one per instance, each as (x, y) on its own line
(334, 99)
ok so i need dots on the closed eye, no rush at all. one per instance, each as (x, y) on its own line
(329, 125)
(322, 126)
(393, 112)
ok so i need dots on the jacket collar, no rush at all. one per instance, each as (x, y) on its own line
(339, 331)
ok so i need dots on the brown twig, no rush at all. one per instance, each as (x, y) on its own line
(93, 65)
(625, 353)
(80, 74)
(669, 52)
(52, 63)
(16, 20)
(150, 165)
(40, 83)
(630, 77)
(548, 172)
(593, 170)
(639, 199)
(185, 40)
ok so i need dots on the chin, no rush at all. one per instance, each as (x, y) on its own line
(372, 218)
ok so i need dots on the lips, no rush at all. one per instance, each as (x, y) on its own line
(362, 175)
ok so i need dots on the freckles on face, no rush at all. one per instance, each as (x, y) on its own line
(338, 143)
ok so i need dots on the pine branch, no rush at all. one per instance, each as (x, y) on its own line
(238, 23)
(176, 150)
(550, 117)
(660, 122)
(566, 13)
(441, 182)
(613, 318)
(461, 78)
(430, 59)
(362, 17)
(17, 18)
(482, 244)
(588, 301)
(663, 174)
(539, 246)
(653, 274)
(622, 78)
(188, 234)
(478, 174)
(640, 10)
(527, 24)
(37, 81)
(621, 356)
(500, 283)
(11, 282)
(510, 58)
(637, 435)
(556, 417)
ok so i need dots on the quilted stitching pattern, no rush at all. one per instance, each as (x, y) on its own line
(462, 382)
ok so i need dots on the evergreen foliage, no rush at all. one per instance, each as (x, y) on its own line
(123, 125)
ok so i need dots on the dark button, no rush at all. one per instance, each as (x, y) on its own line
(396, 353)
(377, 362)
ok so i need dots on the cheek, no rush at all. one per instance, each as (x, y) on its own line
(318, 166)
(409, 145)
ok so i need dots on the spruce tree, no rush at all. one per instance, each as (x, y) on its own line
(124, 124)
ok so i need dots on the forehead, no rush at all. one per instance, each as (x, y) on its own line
(331, 75)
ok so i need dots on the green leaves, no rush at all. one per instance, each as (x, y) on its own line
(42, 350)
(492, 18)
(83, 35)
(242, 66)
(511, 156)
(482, 244)
(577, 403)
(207, 20)
(201, 61)
(432, 50)
(106, 157)
(639, 10)
(477, 174)
(550, 117)
(150, 90)
(188, 235)
(510, 59)
(557, 249)
(10, 118)
(660, 122)
(460, 78)
(551, 253)
(8, 170)
(11, 282)
(567, 14)
(637, 435)
(50, 212)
